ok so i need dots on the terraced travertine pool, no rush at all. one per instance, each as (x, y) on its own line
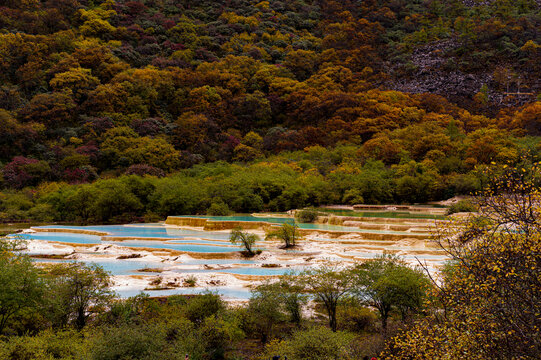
(143, 231)
(276, 221)
(231, 292)
(175, 253)
(271, 220)
(113, 266)
(196, 245)
(155, 236)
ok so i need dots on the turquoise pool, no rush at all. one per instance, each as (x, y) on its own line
(63, 237)
(113, 266)
(175, 246)
(142, 231)
(216, 262)
(272, 220)
(226, 292)
(258, 271)
(253, 271)
(145, 231)
(173, 238)
(434, 258)
(188, 245)
(305, 226)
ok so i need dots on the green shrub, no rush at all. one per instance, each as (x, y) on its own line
(190, 281)
(461, 206)
(352, 197)
(216, 334)
(203, 306)
(63, 345)
(314, 343)
(356, 319)
(218, 209)
(145, 342)
(124, 310)
(306, 216)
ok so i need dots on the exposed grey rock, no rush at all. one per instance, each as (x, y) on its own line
(431, 76)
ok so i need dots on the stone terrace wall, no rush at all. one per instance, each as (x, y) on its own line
(185, 221)
(211, 225)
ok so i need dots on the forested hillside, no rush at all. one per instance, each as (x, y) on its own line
(315, 101)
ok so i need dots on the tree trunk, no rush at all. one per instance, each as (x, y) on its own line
(81, 319)
(332, 318)
(384, 325)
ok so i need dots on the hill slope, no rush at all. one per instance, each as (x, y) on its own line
(97, 89)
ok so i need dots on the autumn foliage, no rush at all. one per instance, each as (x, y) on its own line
(487, 301)
(98, 89)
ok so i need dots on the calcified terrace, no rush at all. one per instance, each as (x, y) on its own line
(164, 258)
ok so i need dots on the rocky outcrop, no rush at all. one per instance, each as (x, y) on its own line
(434, 75)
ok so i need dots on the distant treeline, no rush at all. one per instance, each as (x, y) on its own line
(292, 180)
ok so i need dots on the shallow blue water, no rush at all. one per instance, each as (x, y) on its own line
(145, 231)
(281, 220)
(174, 239)
(63, 237)
(160, 231)
(125, 267)
(197, 241)
(274, 220)
(227, 292)
(328, 227)
(114, 266)
(438, 258)
(257, 271)
(216, 262)
(175, 246)
(131, 267)
(188, 245)
(254, 271)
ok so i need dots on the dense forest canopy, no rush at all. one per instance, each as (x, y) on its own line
(411, 94)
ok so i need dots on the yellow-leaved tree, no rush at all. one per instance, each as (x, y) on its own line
(488, 300)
